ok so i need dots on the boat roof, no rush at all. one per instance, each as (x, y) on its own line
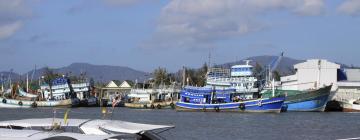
(13, 134)
(241, 66)
(88, 126)
(43, 122)
(130, 127)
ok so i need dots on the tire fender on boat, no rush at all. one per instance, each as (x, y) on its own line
(216, 108)
(152, 106)
(4, 101)
(172, 105)
(259, 103)
(158, 106)
(20, 103)
(242, 106)
(34, 104)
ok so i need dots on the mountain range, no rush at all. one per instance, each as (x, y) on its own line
(105, 73)
(100, 73)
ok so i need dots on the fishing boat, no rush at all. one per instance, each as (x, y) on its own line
(155, 98)
(296, 100)
(18, 103)
(233, 89)
(352, 105)
(62, 95)
(82, 129)
(226, 99)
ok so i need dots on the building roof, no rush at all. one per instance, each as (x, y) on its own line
(113, 84)
(314, 64)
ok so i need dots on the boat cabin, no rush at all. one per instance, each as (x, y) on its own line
(206, 95)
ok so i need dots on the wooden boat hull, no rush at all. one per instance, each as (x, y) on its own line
(259, 105)
(13, 103)
(350, 107)
(157, 105)
(311, 101)
(314, 100)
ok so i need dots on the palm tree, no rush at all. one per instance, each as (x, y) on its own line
(49, 76)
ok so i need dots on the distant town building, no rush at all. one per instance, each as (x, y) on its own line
(115, 88)
(312, 74)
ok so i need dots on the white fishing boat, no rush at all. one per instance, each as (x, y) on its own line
(18, 103)
(351, 105)
(163, 97)
(239, 77)
(82, 129)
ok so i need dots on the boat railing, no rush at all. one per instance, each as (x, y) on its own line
(231, 80)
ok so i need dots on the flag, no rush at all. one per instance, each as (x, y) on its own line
(66, 116)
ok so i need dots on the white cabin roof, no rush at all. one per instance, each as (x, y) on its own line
(242, 66)
(88, 126)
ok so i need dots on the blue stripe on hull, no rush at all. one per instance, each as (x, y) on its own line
(259, 105)
(315, 104)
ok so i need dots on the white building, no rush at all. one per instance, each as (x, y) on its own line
(115, 88)
(312, 74)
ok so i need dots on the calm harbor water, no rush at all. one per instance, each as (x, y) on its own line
(212, 125)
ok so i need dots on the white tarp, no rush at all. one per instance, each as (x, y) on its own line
(88, 126)
(131, 128)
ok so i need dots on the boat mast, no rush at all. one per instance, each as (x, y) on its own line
(2, 83)
(212, 94)
(319, 73)
(183, 76)
(32, 75)
(27, 82)
(209, 65)
(273, 87)
(10, 84)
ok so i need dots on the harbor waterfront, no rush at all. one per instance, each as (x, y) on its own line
(211, 125)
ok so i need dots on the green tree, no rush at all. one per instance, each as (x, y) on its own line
(161, 76)
(49, 76)
(197, 77)
(276, 75)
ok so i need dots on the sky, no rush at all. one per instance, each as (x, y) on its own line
(146, 34)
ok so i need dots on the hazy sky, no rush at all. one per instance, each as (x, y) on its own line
(146, 34)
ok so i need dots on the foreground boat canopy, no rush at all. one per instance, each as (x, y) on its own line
(87, 126)
(11, 134)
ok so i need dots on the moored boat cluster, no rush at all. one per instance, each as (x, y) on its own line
(315, 86)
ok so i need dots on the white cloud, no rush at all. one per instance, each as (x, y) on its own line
(12, 15)
(350, 7)
(123, 2)
(203, 22)
(9, 29)
(311, 7)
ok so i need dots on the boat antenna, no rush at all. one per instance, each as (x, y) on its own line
(247, 61)
(209, 65)
(2, 82)
(32, 75)
(183, 76)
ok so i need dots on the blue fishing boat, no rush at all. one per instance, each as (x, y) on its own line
(225, 99)
(311, 100)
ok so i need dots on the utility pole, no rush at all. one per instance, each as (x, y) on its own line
(27, 82)
(183, 76)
